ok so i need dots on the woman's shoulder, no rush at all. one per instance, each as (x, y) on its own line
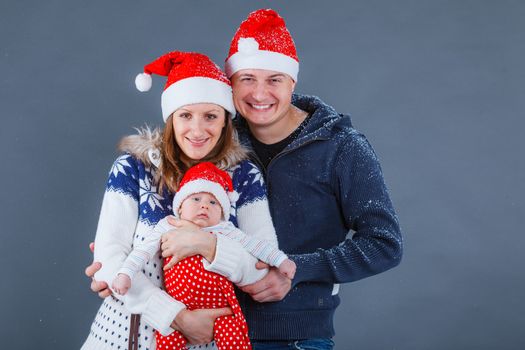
(244, 168)
(142, 147)
(248, 181)
(139, 155)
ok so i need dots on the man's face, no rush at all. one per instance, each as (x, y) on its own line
(263, 97)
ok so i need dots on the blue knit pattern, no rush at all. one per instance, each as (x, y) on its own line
(131, 177)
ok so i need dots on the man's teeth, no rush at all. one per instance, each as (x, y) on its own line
(261, 106)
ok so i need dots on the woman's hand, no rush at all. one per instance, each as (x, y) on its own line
(98, 287)
(180, 223)
(197, 325)
(187, 239)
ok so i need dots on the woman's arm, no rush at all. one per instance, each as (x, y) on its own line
(116, 229)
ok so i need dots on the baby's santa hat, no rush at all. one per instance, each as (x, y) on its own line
(205, 177)
(263, 42)
(192, 78)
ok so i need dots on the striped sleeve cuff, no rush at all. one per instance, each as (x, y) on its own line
(126, 271)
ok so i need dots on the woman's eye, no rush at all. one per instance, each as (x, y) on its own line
(211, 116)
(185, 115)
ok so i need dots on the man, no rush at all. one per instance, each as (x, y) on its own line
(324, 183)
(328, 200)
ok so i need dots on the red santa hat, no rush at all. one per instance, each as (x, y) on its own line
(205, 177)
(263, 42)
(192, 78)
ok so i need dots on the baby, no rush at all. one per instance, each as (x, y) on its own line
(203, 199)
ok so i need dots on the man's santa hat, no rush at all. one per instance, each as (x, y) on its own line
(205, 177)
(192, 78)
(263, 42)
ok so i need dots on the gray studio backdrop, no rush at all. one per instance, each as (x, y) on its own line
(437, 86)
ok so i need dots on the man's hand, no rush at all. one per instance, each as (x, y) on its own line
(197, 325)
(98, 287)
(273, 287)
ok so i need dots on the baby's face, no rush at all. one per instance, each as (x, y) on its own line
(202, 208)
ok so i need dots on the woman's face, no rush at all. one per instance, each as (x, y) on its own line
(198, 128)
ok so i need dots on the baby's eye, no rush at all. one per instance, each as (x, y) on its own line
(213, 202)
(197, 199)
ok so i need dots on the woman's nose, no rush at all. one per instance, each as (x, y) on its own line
(196, 127)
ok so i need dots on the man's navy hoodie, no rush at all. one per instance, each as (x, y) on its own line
(333, 217)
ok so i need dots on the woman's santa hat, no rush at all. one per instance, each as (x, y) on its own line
(205, 177)
(192, 78)
(263, 42)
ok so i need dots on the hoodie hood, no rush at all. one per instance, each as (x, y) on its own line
(324, 122)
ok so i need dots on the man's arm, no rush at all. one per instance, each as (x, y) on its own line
(376, 244)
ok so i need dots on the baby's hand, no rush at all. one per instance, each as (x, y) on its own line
(121, 284)
(288, 268)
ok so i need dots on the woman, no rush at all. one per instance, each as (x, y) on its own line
(197, 108)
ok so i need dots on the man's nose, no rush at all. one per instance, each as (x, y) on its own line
(260, 91)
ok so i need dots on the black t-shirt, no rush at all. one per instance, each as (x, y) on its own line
(267, 152)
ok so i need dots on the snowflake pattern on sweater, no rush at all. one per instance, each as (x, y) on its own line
(130, 210)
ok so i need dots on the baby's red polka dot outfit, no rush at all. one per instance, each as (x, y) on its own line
(197, 288)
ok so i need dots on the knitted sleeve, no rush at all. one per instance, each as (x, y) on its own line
(376, 243)
(118, 218)
(252, 216)
(114, 240)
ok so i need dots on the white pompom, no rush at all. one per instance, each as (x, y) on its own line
(248, 46)
(143, 82)
(233, 197)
